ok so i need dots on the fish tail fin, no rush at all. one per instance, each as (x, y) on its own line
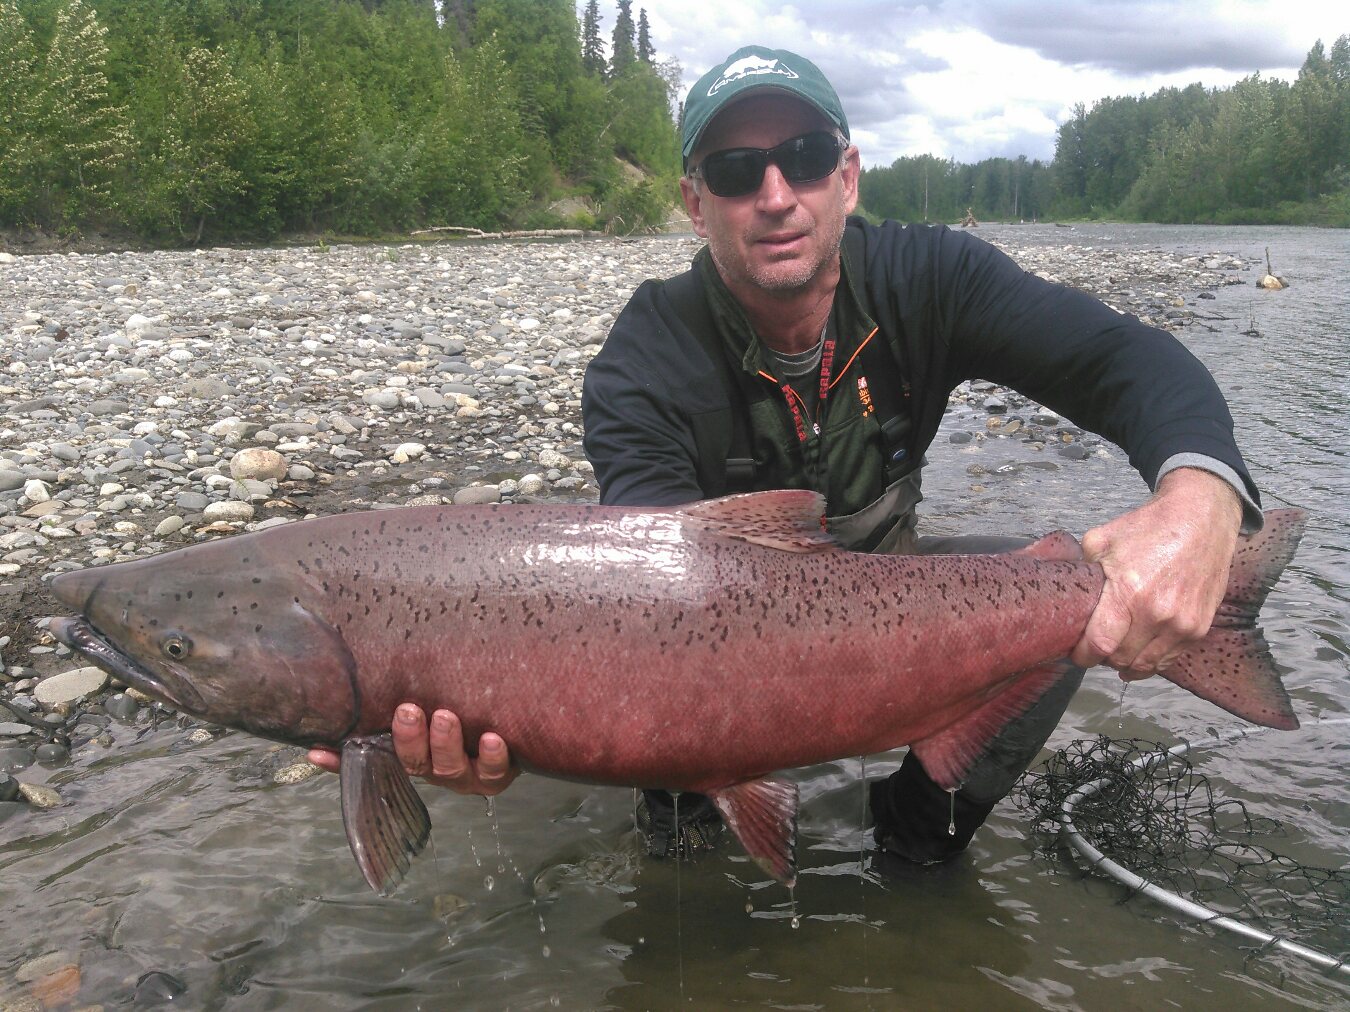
(763, 816)
(1232, 666)
(387, 824)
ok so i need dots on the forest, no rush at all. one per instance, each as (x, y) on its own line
(202, 121)
(1263, 151)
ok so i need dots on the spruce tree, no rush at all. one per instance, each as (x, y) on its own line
(624, 52)
(592, 49)
(645, 52)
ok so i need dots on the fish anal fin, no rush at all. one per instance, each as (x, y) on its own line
(1057, 546)
(387, 824)
(763, 816)
(791, 520)
(949, 754)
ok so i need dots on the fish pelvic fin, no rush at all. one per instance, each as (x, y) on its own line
(1057, 546)
(387, 824)
(950, 754)
(791, 520)
(763, 816)
(1232, 666)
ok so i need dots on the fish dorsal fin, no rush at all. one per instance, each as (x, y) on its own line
(790, 520)
(763, 816)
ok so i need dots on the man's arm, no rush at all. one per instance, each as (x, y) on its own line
(1166, 569)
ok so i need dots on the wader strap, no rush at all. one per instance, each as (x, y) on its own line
(726, 461)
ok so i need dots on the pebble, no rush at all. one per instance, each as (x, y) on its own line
(121, 706)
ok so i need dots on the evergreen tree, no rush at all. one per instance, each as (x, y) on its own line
(645, 52)
(592, 49)
(623, 51)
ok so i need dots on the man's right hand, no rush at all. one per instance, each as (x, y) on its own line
(438, 756)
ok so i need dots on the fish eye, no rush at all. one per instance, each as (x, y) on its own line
(176, 646)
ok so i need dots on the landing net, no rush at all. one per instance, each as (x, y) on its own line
(1140, 813)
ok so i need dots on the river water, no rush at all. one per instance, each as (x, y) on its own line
(187, 860)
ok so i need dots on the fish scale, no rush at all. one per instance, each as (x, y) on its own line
(691, 648)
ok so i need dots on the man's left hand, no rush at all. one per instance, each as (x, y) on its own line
(1166, 569)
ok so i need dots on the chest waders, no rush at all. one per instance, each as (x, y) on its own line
(726, 459)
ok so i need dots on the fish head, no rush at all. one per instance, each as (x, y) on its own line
(229, 642)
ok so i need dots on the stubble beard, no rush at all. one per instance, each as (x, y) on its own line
(781, 278)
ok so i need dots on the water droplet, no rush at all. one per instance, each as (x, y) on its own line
(951, 823)
(488, 882)
(749, 907)
(796, 922)
(546, 951)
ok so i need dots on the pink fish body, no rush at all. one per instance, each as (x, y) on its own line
(694, 648)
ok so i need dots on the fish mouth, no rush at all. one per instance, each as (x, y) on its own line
(80, 635)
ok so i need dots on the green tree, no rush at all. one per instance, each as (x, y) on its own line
(196, 150)
(82, 135)
(623, 51)
(592, 49)
(645, 52)
(20, 84)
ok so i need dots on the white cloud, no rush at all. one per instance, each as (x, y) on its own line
(970, 79)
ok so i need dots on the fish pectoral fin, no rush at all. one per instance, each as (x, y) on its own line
(790, 520)
(763, 816)
(948, 755)
(386, 822)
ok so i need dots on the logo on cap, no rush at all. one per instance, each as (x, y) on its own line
(750, 66)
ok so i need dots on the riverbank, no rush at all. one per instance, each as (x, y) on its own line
(355, 377)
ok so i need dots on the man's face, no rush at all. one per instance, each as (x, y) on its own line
(778, 238)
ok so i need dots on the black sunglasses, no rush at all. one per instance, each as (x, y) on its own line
(738, 171)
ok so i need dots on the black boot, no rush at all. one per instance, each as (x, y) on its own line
(698, 827)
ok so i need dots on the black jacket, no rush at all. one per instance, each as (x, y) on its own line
(953, 308)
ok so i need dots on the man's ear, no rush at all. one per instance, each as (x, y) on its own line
(849, 173)
(693, 203)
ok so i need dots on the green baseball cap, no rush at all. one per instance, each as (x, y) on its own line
(756, 68)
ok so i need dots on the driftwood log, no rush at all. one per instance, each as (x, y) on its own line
(530, 233)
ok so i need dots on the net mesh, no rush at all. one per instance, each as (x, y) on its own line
(1153, 813)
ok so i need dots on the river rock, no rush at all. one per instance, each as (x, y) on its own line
(70, 686)
(40, 795)
(258, 463)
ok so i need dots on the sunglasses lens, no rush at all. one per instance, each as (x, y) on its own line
(806, 159)
(738, 171)
(735, 173)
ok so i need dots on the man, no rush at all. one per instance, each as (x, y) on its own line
(807, 349)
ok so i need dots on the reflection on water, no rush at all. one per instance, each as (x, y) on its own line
(188, 862)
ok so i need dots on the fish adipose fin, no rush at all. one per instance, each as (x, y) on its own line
(1232, 667)
(949, 755)
(387, 824)
(763, 816)
(790, 520)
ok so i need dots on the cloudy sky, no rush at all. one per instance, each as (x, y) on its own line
(971, 79)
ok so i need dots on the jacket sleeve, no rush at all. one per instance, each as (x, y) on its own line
(1130, 383)
(637, 433)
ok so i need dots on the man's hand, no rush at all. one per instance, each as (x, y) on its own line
(438, 756)
(1166, 569)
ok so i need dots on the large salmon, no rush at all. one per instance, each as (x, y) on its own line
(694, 648)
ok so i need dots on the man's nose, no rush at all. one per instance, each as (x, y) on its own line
(775, 192)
